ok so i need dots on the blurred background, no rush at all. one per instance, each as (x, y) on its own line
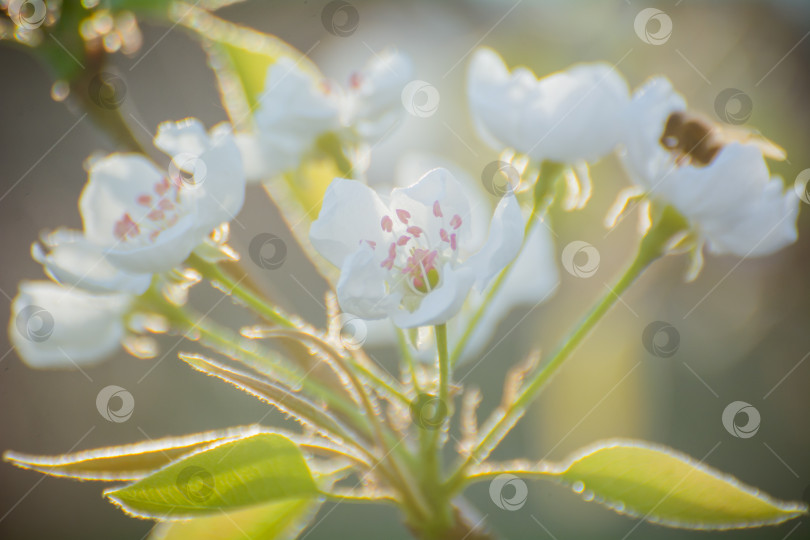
(741, 326)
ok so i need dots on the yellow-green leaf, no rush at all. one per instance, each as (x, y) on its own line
(265, 522)
(255, 470)
(240, 57)
(661, 485)
(128, 462)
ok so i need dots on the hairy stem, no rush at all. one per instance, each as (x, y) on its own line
(551, 173)
(652, 247)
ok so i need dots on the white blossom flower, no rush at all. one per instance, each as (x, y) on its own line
(532, 278)
(297, 107)
(570, 116)
(729, 197)
(139, 220)
(412, 257)
(56, 327)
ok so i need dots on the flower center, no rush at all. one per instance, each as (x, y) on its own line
(162, 211)
(416, 253)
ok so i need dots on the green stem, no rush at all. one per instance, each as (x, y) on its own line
(652, 247)
(544, 186)
(406, 355)
(444, 364)
(458, 350)
(214, 273)
(431, 478)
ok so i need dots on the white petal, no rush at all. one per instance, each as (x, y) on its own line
(257, 166)
(652, 104)
(294, 110)
(212, 165)
(418, 200)
(187, 135)
(418, 164)
(442, 303)
(376, 100)
(762, 227)
(361, 289)
(70, 259)
(171, 248)
(532, 280)
(55, 327)
(572, 115)
(351, 215)
(114, 184)
(503, 243)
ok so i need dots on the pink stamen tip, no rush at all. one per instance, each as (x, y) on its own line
(455, 222)
(444, 236)
(144, 199)
(355, 80)
(403, 216)
(402, 240)
(387, 223)
(125, 227)
(437, 210)
(162, 186)
(372, 244)
(388, 263)
(156, 215)
(415, 231)
(165, 204)
(453, 244)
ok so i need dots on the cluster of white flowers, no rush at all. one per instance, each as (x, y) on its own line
(416, 255)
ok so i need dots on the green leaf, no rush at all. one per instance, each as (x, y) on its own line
(260, 469)
(265, 522)
(661, 485)
(127, 462)
(240, 57)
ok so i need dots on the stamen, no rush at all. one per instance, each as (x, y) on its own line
(437, 210)
(415, 231)
(403, 215)
(392, 255)
(455, 222)
(402, 240)
(162, 187)
(144, 199)
(387, 224)
(125, 227)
